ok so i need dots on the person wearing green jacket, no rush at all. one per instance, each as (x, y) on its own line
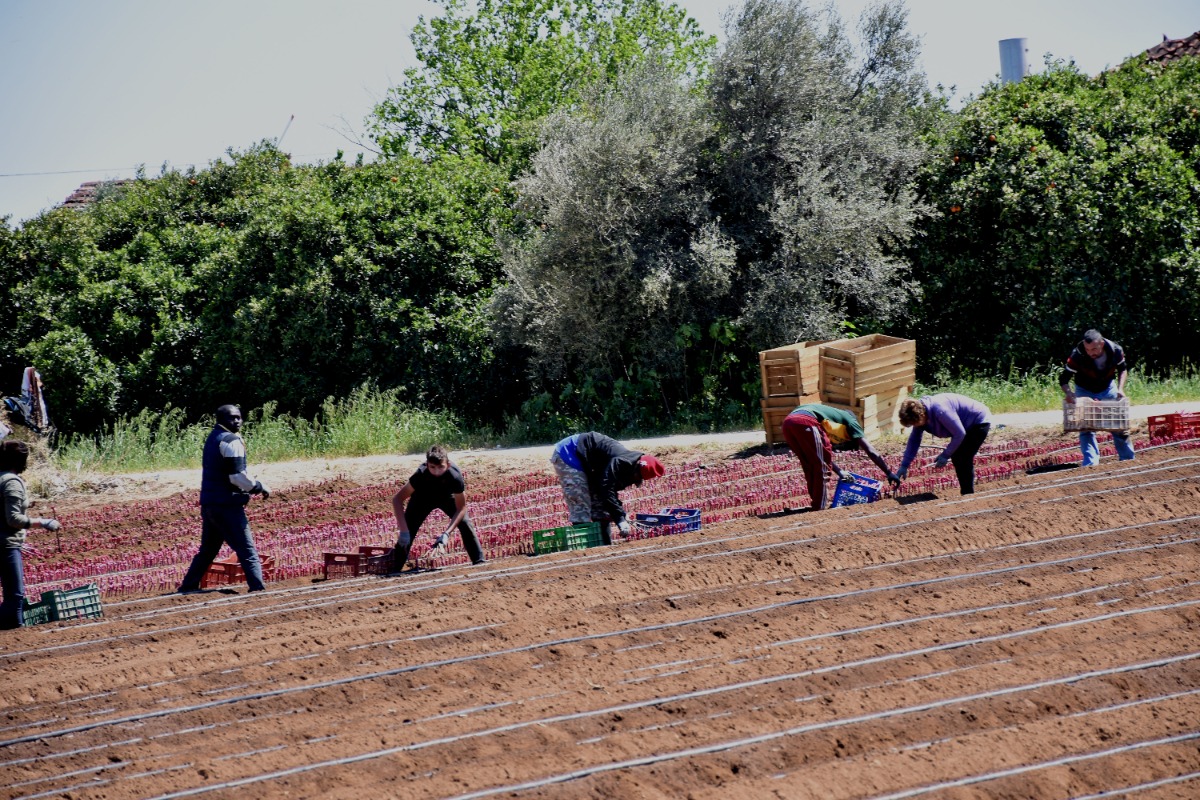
(813, 431)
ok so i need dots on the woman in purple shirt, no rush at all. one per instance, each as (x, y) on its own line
(965, 422)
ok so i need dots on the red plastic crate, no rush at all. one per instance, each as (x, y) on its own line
(342, 565)
(226, 571)
(1169, 426)
(374, 560)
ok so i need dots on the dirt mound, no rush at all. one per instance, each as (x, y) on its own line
(1037, 639)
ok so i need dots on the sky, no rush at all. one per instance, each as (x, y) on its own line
(91, 89)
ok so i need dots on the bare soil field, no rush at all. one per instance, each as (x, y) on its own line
(1038, 639)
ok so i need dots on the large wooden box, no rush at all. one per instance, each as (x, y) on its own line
(791, 371)
(854, 369)
(776, 409)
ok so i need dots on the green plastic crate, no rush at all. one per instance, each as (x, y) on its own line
(581, 537)
(570, 537)
(37, 613)
(82, 602)
(549, 540)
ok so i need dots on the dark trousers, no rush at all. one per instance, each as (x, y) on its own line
(224, 525)
(415, 514)
(964, 457)
(12, 577)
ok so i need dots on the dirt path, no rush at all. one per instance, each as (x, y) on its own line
(1037, 639)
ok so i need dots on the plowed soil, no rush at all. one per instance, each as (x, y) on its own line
(1038, 639)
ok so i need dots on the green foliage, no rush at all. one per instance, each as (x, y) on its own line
(255, 281)
(671, 233)
(367, 422)
(491, 70)
(1037, 389)
(1065, 203)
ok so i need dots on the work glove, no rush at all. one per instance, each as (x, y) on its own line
(893, 479)
(623, 528)
(439, 546)
(844, 474)
(261, 488)
(941, 461)
(901, 474)
(51, 525)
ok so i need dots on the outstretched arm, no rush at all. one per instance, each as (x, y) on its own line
(878, 460)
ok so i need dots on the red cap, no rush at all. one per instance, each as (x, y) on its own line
(651, 468)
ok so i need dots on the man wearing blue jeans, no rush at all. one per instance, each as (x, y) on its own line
(1098, 368)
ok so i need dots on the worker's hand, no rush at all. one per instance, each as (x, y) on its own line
(623, 528)
(261, 488)
(1068, 395)
(844, 474)
(941, 461)
(439, 546)
(1120, 394)
(901, 474)
(51, 525)
(894, 480)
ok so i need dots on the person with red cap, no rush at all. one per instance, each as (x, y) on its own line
(592, 469)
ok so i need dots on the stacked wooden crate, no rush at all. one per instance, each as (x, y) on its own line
(871, 376)
(791, 376)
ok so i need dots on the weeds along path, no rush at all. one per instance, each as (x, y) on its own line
(1036, 639)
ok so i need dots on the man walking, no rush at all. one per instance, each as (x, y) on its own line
(225, 489)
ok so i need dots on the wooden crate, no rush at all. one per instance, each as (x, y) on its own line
(791, 371)
(853, 369)
(775, 409)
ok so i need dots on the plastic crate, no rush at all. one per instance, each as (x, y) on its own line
(1086, 414)
(570, 537)
(687, 519)
(36, 613)
(226, 571)
(82, 602)
(341, 565)
(1168, 426)
(583, 536)
(374, 560)
(855, 491)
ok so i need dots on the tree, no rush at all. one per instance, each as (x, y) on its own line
(673, 233)
(1064, 203)
(488, 76)
(817, 150)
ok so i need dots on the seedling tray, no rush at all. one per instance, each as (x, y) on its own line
(571, 537)
(82, 602)
(1086, 414)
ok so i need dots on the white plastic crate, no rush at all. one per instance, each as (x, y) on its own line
(1086, 414)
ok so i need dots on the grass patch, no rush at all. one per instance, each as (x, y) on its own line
(1038, 390)
(369, 422)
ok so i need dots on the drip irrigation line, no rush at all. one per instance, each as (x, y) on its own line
(1022, 770)
(1140, 787)
(1122, 489)
(351, 679)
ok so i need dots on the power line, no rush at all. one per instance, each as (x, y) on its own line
(122, 169)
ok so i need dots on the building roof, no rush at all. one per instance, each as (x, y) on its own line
(1171, 49)
(87, 192)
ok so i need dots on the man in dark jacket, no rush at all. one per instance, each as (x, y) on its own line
(439, 484)
(592, 469)
(225, 489)
(1098, 368)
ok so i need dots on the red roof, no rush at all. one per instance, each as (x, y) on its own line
(87, 192)
(1171, 49)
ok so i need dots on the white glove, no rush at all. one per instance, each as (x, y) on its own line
(51, 525)
(623, 527)
(439, 546)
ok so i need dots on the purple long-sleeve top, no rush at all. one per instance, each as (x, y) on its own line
(946, 416)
